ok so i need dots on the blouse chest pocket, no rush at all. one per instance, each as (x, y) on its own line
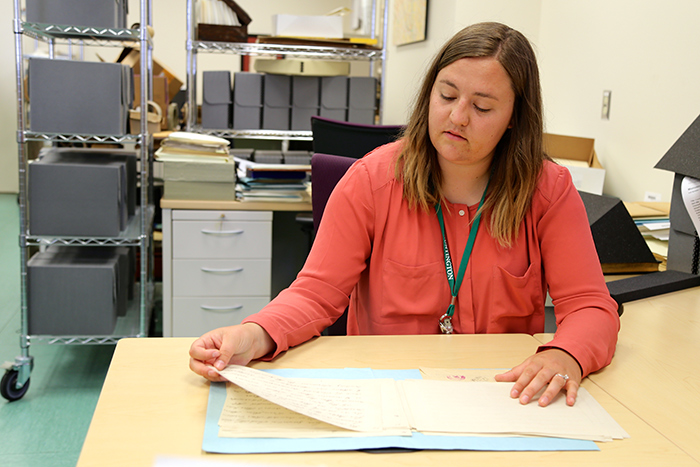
(515, 298)
(412, 291)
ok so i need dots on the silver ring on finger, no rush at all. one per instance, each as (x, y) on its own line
(564, 377)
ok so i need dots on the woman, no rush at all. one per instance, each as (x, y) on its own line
(462, 225)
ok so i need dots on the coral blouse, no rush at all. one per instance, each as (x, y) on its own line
(385, 260)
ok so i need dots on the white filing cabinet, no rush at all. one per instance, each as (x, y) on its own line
(216, 268)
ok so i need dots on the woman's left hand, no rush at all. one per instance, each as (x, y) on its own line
(546, 368)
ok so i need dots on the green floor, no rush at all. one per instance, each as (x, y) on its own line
(46, 427)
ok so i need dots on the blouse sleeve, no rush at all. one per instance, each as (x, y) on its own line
(586, 315)
(341, 248)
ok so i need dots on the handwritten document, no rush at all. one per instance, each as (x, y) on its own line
(260, 404)
(350, 404)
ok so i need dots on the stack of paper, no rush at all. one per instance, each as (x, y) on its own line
(272, 182)
(266, 405)
(197, 166)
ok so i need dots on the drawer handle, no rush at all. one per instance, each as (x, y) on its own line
(222, 271)
(222, 232)
(221, 309)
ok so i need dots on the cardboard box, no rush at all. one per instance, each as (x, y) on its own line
(362, 100)
(70, 295)
(305, 101)
(684, 160)
(578, 155)
(99, 14)
(330, 27)
(334, 97)
(290, 66)
(132, 58)
(67, 96)
(277, 102)
(247, 100)
(73, 194)
(216, 99)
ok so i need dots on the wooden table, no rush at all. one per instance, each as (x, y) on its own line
(656, 369)
(152, 404)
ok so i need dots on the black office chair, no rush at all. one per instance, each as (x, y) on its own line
(344, 139)
(350, 139)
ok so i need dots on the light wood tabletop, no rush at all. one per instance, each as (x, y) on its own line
(226, 205)
(152, 404)
(656, 369)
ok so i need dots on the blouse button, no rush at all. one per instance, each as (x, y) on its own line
(461, 212)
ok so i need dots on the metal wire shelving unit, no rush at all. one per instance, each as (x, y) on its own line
(318, 52)
(138, 233)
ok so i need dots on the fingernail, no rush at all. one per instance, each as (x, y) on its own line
(219, 364)
(524, 400)
(544, 401)
(514, 393)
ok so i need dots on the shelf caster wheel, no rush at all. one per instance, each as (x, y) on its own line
(8, 386)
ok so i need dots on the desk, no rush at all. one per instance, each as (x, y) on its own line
(224, 260)
(152, 404)
(656, 369)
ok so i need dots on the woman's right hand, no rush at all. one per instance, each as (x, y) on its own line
(236, 345)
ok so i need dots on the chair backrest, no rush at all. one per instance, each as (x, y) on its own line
(326, 172)
(350, 139)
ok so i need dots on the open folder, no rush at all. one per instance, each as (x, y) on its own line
(353, 409)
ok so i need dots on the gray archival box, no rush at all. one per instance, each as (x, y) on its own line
(96, 13)
(89, 98)
(305, 93)
(72, 295)
(73, 193)
(334, 97)
(247, 100)
(216, 99)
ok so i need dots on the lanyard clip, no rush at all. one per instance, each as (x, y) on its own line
(446, 324)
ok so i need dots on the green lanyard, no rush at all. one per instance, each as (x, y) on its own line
(446, 319)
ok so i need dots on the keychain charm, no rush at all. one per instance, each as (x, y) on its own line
(446, 324)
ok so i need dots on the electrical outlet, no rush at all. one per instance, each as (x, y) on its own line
(651, 196)
(605, 112)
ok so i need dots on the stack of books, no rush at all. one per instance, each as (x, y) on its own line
(272, 182)
(197, 166)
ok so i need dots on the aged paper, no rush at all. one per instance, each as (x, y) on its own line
(263, 405)
(450, 407)
(246, 415)
(350, 404)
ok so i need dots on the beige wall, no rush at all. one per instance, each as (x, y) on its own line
(643, 51)
(407, 63)
(646, 53)
(8, 108)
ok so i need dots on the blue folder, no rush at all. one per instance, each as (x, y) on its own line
(217, 396)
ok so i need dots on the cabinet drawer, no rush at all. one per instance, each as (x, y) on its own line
(222, 239)
(192, 317)
(209, 277)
